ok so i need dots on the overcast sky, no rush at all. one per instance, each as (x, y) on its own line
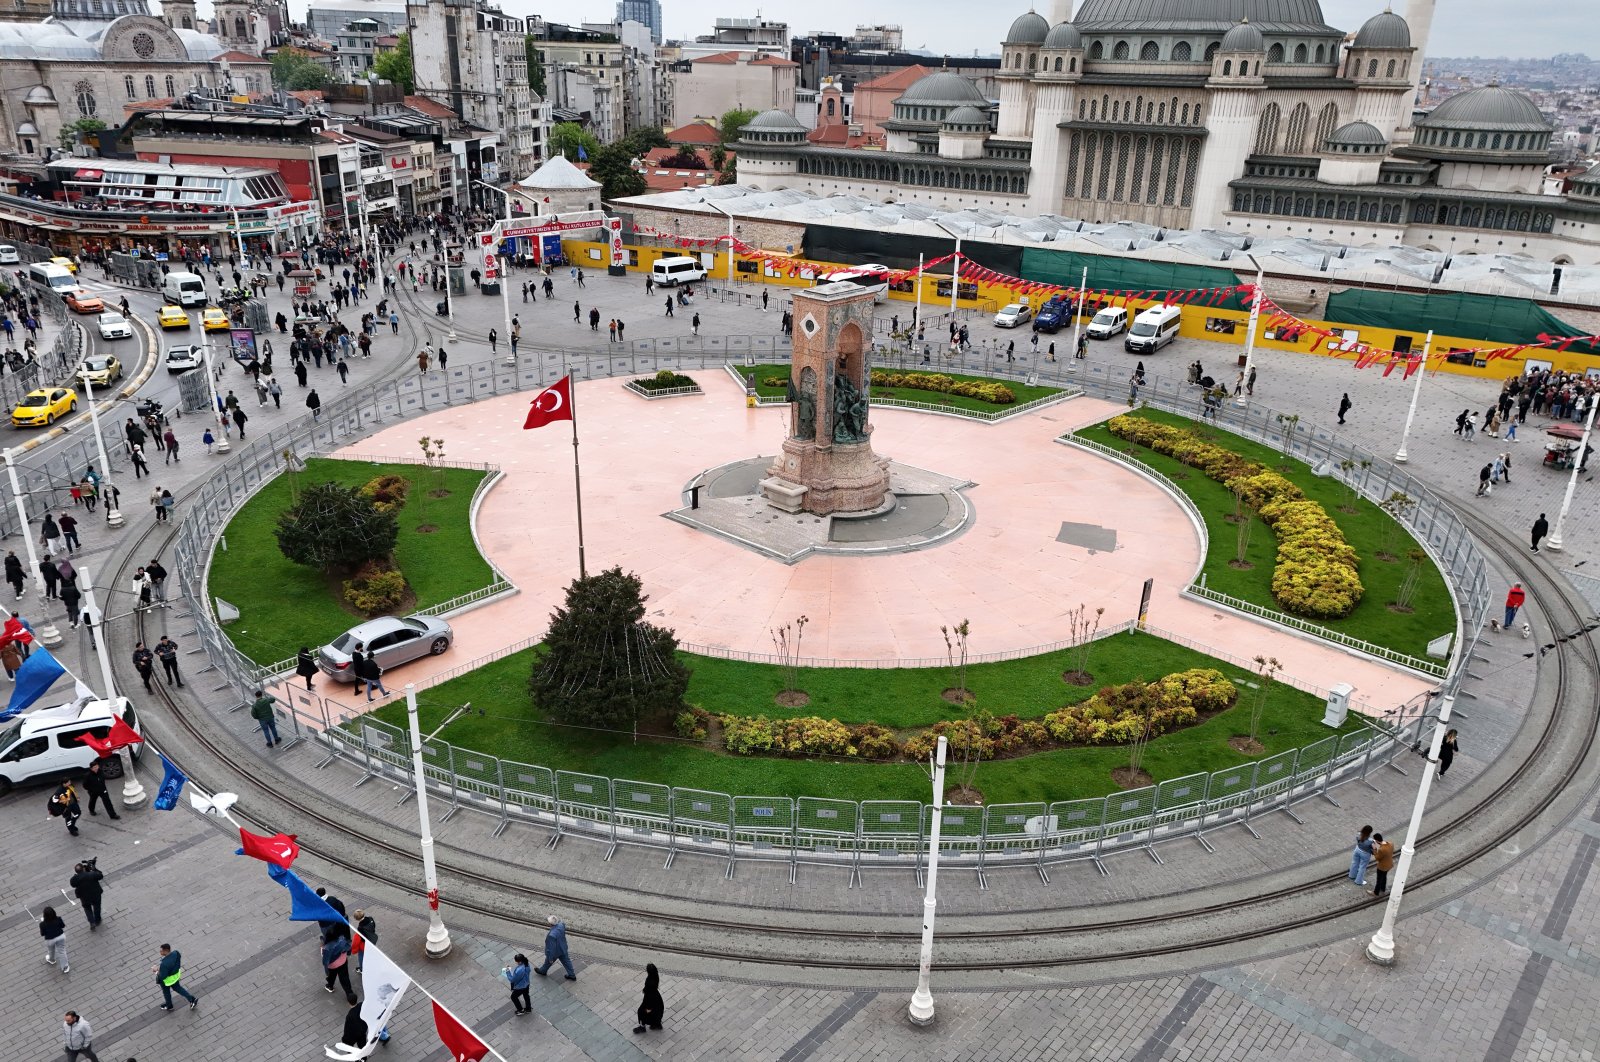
(1460, 27)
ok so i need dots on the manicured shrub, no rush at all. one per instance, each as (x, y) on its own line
(387, 493)
(664, 380)
(693, 723)
(376, 589)
(989, 391)
(1116, 714)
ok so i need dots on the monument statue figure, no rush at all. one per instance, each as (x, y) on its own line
(806, 402)
(849, 411)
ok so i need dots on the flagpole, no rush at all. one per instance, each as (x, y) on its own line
(577, 484)
(438, 936)
(49, 637)
(133, 794)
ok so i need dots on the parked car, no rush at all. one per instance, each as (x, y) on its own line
(173, 317)
(215, 319)
(43, 407)
(80, 301)
(1111, 321)
(43, 745)
(101, 370)
(184, 358)
(1017, 313)
(9, 255)
(392, 640)
(115, 326)
(65, 263)
(1053, 315)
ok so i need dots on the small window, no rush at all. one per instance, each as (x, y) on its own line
(1150, 52)
(1097, 50)
(1300, 53)
(150, 86)
(1212, 49)
(1391, 68)
(1058, 64)
(1372, 68)
(127, 83)
(1322, 54)
(1275, 54)
(1227, 70)
(1181, 52)
(1121, 51)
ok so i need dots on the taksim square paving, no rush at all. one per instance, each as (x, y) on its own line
(1499, 959)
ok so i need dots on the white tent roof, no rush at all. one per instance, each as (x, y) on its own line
(555, 174)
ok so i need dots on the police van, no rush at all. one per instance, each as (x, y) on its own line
(43, 745)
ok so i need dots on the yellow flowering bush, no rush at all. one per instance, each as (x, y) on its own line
(1115, 715)
(985, 390)
(808, 735)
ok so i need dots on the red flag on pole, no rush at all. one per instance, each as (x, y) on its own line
(463, 1044)
(280, 849)
(551, 404)
(120, 736)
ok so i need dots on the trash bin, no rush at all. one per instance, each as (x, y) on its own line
(616, 271)
(490, 287)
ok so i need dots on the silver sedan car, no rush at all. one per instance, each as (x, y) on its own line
(391, 640)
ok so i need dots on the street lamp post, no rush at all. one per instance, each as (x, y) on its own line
(438, 945)
(48, 634)
(1077, 318)
(729, 215)
(1250, 332)
(503, 275)
(449, 302)
(238, 235)
(216, 399)
(133, 793)
(955, 267)
(113, 516)
(1579, 462)
(1381, 948)
(1416, 391)
(921, 1009)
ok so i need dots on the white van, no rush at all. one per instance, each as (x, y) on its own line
(43, 745)
(184, 289)
(1153, 329)
(670, 272)
(9, 255)
(57, 278)
(1108, 322)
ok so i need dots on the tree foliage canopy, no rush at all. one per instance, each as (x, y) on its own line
(334, 528)
(535, 64)
(641, 140)
(296, 70)
(731, 122)
(602, 665)
(567, 137)
(612, 166)
(395, 65)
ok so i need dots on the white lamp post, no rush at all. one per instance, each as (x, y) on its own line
(438, 945)
(1572, 480)
(1416, 391)
(49, 636)
(1250, 333)
(503, 275)
(1077, 318)
(1381, 949)
(921, 1009)
(729, 215)
(222, 446)
(113, 516)
(133, 794)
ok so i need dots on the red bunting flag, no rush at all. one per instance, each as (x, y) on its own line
(462, 1042)
(280, 849)
(552, 404)
(119, 736)
(1412, 366)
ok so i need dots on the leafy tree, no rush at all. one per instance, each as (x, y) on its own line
(567, 137)
(535, 64)
(602, 665)
(334, 528)
(731, 122)
(641, 140)
(719, 156)
(71, 132)
(612, 166)
(395, 65)
(295, 70)
(685, 159)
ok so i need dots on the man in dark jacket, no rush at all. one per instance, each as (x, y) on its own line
(86, 886)
(264, 712)
(169, 975)
(94, 783)
(144, 662)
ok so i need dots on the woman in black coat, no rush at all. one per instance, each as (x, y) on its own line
(1447, 751)
(304, 666)
(652, 1008)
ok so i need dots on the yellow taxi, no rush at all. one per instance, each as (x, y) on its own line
(43, 407)
(101, 370)
(65, 263)
(173, 317)
(215, 320)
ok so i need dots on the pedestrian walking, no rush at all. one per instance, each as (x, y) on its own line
(494, 337)
(158, 581)
(1250, 382)
(696, 323)
(169, 975)
(70, 599)
(336, 964)
(1447, 751)
(367, 672)
(155, 503)
(343, 369)
(208, 439)
(140, 466)
(64, 805)
(366, 933)
(54, 931)
(14, 573)
(422, 362)
(594, 319)
(166, 651)
(763, 301)
(305, 666)
(94, 783)
(555, 949)
(1484, 486)
(171, 447)
(516, 976)
(85, 882)
(611, 330)
(78, 1037)
(577, 311)
(669, 306)
(1383, 859)
(621, 325)
(1514, 599)
(265, 713)
(69, 532)
(1344, 406)
(652, 1007)
(11, 658)
(273, 389)
(314, 403)
(300, 371)
(1541, 528)
(141, 587)
(1362, 856)
(144, 662)
(444, 357)
(49, 534)
(47, 572)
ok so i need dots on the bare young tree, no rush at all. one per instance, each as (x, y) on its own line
(1351, 482)
(1241, 534)
(1288, 421)
(1267, 668)
(971, 735)
(955, 651)
(1398, 505)
(786, 639)
(1407, 594)
(1082, 627)
(1141, 741)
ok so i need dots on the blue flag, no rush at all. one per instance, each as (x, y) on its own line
(36, 675)
(171, 786)
(583, 156)
(305, 905)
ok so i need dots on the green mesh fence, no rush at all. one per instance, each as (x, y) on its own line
(1107, 273)
(1467, 316)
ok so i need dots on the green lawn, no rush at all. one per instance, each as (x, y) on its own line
(1364, 529)
(1024, 392)
(283, 605)
(502, 721)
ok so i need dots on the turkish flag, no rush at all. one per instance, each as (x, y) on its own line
(280, 849)
(553, 403)
(120, 736)
(464, 1045)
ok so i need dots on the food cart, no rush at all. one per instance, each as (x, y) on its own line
(1561, 451)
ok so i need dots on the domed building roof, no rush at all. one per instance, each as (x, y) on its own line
(1029, 29)
(40, 96)
(1065, 35)
(944, 87)
(775, 121)
(1353, 133)
(1244, 38)
(1383, 30)
(1491, 107)
(966, 116)
(1214, 16)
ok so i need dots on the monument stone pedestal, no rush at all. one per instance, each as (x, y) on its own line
(836, 477)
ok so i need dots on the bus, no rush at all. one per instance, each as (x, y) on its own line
(872, 277)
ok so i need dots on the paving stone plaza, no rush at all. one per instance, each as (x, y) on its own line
(1497, 959)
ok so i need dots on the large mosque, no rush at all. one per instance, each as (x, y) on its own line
(1250, 115)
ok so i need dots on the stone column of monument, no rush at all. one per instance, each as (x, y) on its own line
(827, 464)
